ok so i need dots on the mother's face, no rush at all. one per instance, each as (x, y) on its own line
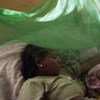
(49, 65)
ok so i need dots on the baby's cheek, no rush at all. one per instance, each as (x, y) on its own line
(52, 69)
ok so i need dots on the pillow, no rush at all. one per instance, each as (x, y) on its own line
(10, 64)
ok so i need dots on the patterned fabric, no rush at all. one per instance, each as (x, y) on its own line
(69, 57)
(70, 62)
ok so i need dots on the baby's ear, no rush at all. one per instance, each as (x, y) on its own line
(38, 61)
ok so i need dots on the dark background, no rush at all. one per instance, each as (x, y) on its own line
(20, 5)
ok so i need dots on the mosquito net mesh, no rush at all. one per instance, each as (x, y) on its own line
(57, 24)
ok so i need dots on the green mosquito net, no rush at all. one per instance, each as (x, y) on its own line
(57, 24)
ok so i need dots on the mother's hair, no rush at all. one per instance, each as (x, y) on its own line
(28, 55)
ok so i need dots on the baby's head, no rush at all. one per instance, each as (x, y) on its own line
(38, 61)
(93, 80)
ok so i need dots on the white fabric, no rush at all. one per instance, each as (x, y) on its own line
(10, 67)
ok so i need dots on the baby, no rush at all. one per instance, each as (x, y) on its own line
(93, 82)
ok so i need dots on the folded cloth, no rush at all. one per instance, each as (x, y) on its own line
(10, 65)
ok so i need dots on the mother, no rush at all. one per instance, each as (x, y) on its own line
(41, 70)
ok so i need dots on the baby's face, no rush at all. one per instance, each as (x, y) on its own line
(51, 66)
(93, 78)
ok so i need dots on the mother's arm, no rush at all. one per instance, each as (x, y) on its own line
(87, 65)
